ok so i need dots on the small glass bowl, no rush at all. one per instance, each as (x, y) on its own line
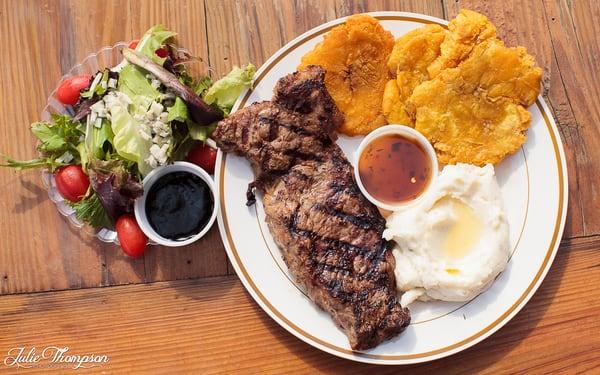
(107, 57)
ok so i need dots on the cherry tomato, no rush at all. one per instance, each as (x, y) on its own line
(162, 52)
(68, 91)
(72, 183)
(133, 44)
(204, 156)
(133, 240)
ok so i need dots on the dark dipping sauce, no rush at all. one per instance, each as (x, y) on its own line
(394, 169)
(179, 205)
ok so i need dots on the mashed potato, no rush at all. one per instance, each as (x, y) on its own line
(453, 243)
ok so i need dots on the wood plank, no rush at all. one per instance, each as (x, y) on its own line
(581, 243)
(46, 39)
(213, 326)
(573, 29)
(252, 31)
(561, 37)
(431, 8)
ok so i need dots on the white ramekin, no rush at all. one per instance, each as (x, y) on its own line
(150, 179)
(407, 132)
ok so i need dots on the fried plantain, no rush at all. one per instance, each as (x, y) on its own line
(393, 105)
(354, 56)
(475, 113)
(410, 57)
(465, 32)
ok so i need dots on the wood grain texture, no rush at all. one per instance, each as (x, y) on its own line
(431, 8)
(40, 251)
(242, 31)
(213, 326)
(174, 327)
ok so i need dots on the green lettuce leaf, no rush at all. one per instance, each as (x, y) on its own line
(133, 83)
(225, 91)
(83, 155)
(51, 136)
(100, 137)
(152, 40)
(127, 140)
(184, 76)
(182, 147)
(178, 111)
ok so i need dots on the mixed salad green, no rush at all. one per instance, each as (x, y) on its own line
(144, 113)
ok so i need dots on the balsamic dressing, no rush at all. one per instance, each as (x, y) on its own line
(179, 205)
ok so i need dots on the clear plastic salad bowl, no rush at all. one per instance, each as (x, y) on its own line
(107, 57)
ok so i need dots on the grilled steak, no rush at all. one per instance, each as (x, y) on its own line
(330, 235)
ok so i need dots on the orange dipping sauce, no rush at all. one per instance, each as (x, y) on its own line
(394, 169)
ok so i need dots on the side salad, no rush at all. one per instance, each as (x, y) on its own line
(144, 113)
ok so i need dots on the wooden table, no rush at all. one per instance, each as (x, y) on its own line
(176, 311)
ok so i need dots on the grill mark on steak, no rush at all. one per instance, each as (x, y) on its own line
(331, 242)
(289, 127)
(302, 156)
(330, 226)
(273, 131)
(328, 233)
(362, 222)
(244, 135)
(297, 130)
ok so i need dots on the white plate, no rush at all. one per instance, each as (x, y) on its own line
(534, 188)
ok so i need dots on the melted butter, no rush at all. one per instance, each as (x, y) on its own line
(465, 232)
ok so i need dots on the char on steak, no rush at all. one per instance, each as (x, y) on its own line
(329, 234)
